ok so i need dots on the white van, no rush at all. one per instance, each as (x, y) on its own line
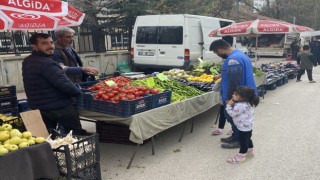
(163, 41)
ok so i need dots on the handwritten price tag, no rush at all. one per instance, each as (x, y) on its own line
(150, 82)
(162, 77)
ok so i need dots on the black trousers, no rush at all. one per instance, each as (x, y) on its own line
(245, 141)
(301, 72)
(222, 118)
(68, 117)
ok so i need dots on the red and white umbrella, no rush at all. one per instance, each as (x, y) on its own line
(40, 7)
(32, 17)
(256, 27)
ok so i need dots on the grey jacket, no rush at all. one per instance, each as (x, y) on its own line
(306, 60)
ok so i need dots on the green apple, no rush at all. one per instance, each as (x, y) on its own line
(33, 138)
(15, 140)
(3, 151)
(27, 134)
(13, 147)
(7, 145)
(15, 133)
(6, 127)
(6, 142)
(24, 140)
(4, 135)
(39, 140)
(23, 144)
(31, 142)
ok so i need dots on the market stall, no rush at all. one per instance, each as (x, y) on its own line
(149, 123)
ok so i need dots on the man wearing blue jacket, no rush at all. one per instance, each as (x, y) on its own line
(48, 88)
(236, 71)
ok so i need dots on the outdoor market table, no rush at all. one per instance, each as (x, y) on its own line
(32, 162)
(146, 124)
(149, 123)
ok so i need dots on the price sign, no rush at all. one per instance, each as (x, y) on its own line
(150, 82)
(34, 123)
(162, 77)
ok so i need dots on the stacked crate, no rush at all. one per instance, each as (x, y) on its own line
(8, 101)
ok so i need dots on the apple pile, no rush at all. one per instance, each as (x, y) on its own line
(13, 139)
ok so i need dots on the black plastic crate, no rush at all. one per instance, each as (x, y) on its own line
(23, 105)
(280, 82)
(261, 91)
(79, 160)
(161, 99)
(271, 86)
(8, 102)
(16, 123)
(85, 85)
(285, 79)
(292, 75)
(8, 91)
(9, 111)
(124, 108)
(113, 133)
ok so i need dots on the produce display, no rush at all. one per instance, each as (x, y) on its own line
(119, 88)
(258, 72)
(179, 91)
(12, 139)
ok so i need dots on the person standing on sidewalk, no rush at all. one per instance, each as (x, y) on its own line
(236, 71)
(241, 109)
(67, 57)
(306, 62)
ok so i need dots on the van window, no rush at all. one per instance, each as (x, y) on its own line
(147, 35)
(170, 35)
(159, 35)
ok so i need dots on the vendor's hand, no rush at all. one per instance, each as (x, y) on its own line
(216, 77)
(90, 71)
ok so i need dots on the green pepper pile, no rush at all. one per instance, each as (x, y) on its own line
(179, 91)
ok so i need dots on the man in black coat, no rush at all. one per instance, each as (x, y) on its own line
(48, 88)
(67, 57)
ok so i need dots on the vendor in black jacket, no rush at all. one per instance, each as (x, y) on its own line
(48, 88)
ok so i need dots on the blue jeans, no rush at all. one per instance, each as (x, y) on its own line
(234, 128)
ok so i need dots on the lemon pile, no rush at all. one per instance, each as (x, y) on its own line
(203, 78)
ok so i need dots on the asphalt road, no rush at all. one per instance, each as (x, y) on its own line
(286, 138)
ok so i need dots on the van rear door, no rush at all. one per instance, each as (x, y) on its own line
(146, 45)
(170, 41)
(208, 25)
